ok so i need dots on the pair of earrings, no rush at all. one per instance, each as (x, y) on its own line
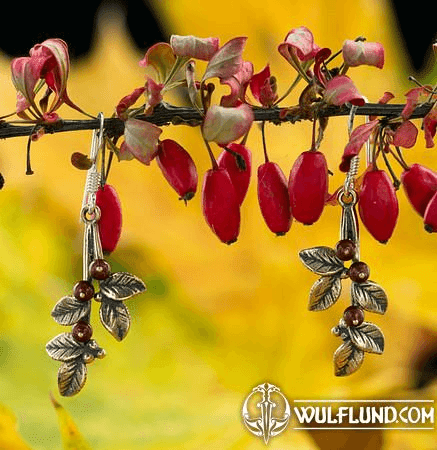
(76, 349)
(359, 337)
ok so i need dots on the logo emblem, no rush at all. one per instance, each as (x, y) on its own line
(273, 416)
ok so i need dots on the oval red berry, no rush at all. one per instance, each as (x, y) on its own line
(378, 206)
(420, 184)
(430, 217)
(110, 218)
(273, 198)
(238, 167)
(178, 168)
(308, 187)
(220, 205)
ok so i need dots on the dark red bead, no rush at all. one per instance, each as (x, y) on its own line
(345, 249)
(353, 316)
(100, 269)
(359, 272)
(83, 290)
(82, 332)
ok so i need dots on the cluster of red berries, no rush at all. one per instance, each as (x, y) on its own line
(225, 187)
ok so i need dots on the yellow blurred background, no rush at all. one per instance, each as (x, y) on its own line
(217, 320)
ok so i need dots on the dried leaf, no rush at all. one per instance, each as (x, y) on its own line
(121, 286)
(347, 359)
(324, 293)
(69, 310)
(367, 337)
(64, 347)
(369, 296)
(71, 377)
(115, 318)
(321, 260)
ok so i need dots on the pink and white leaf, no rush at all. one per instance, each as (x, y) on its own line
(238, 84)
(357, 139)
(141, 139)
(357, 53)
(224, 125)
(340, 90)
(127, 101)
(262, 89)
(194, 47)
(161, 59)
(414, 97)
(227, 60)
(154, 94)
(430, 127)
(405, 135)
(301, 41)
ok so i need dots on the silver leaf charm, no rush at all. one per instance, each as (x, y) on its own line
(367, 337)
(324, 293)
(64, 347)
(369, 296)
(121, 286)
(347, 359)
(321, 260)
(115, 318)
(69, 310)
(72, 377)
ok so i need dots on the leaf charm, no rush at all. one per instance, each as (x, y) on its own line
(324, 293)
(321, 260)
(69, 310)
(64, 347)
(347, 359)
(72, 377)
(121, 286)
(370, 296)
(115, 318)
(367, 337)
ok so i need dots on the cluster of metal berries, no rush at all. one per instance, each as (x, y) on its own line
(225, 185)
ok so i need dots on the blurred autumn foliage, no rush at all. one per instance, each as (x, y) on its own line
(216, 320)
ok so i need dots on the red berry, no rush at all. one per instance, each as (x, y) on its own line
(353, 316)
(378, 205)
(110, 218)
(82, 332)
(220, 205)
(273, 198)
(308, 187)
(239, 168)
(430, 217)
(345, 249)
(420, 184)
(83, 290)
(178, 168)
(100, 269)
(359, 272)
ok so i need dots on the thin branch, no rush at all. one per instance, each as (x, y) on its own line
(166, 114)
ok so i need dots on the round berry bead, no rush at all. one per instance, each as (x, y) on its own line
(345, 249)
(353, 316)
(82, 332)
(359, 272)
(83, 290)
(100, 269)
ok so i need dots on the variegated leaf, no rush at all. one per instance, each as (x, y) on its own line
(69, 310)
(321, 260)
(367, 337)
(64, 347)
(347, 359)
(370, 296)
(121, 286)
(115, 318)
(71, 377)
(324, 293)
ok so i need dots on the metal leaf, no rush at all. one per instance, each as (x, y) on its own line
(370, 296)
(367, 337)
(347, 359)
(121, 286)
(64, 347)
(71, 377)
(324, 293)
(69, 310)
(321, 260)
(115, 318)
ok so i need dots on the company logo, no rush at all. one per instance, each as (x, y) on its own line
(273, 415)
(267, 413)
